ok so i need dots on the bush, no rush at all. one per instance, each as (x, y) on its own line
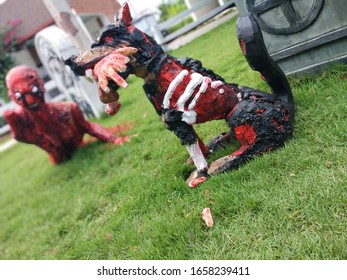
(8, 41)
(170, 9)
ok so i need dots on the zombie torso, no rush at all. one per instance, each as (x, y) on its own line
(56, 128)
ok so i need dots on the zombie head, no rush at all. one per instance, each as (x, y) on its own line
(25, 87)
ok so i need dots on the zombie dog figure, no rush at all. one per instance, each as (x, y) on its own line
(57, 128)
(184, 93)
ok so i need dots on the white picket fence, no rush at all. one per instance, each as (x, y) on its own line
(149, 24)
(177, 19)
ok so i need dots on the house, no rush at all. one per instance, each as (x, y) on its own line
(34, 17)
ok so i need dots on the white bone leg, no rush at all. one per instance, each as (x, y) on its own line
(197, 156)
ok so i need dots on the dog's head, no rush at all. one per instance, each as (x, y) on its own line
(121, 33)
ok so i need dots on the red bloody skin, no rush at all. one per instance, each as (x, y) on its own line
(246, 135)
(57, 128)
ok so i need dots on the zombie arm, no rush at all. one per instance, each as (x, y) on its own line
(17, 129)
(95, 129)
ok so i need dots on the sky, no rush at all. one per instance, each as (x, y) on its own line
(140, 5)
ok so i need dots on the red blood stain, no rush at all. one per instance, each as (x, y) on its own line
(239, 151)
(286, 114)
(277, 125)
(108, 39)
(260, 111)
(243, 46)
(118, 130)
(147, 40)
(245, 134)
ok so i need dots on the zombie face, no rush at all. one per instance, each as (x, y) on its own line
(25, 87)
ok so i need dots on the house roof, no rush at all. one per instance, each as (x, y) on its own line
(35, 16)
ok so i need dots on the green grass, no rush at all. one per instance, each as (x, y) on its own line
(132, 202)
(4, 138)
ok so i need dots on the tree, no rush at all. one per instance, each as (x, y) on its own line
(169, 8)
(8, 41)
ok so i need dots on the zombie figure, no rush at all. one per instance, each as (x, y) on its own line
(58, 128)
(185, 93)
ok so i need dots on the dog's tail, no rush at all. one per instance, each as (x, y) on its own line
(253, 48)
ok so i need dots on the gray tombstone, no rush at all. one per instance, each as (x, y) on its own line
(301, 35)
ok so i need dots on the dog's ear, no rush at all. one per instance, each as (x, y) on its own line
(123, 15)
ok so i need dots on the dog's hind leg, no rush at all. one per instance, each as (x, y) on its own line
(257, 128)
(216, 143)
(246, 135)
(220, 141)
(245, 153)
(232, 161)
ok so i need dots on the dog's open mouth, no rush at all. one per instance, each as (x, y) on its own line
(81, 63)
(84, 63)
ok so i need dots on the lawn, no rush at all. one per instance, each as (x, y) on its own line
(132, 202)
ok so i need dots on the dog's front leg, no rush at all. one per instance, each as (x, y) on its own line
(200, 174)
(188, 137)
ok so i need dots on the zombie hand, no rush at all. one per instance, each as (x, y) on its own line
(121, 140)
(109, 67)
